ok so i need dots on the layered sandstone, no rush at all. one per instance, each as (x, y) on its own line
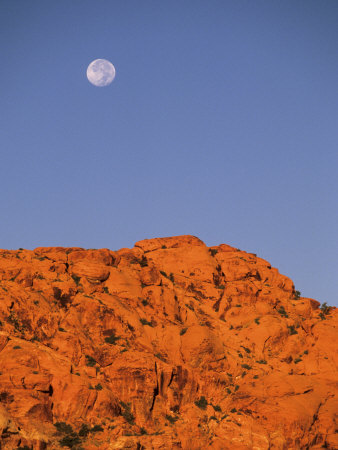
(167, 345)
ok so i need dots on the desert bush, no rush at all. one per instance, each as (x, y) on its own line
(217, 408)
(282, 311)
(171, 419)
(96, 429)
(292, 330)
(159, 356)
(112, 339)
(63, 427)
(246, 349)
(325, 310)
(127, 414)
(84, 430)
(145, 322)
(143, 261)
(76, 279)
(246, 366)
(70, 440)
(201, 403)
(90, 361)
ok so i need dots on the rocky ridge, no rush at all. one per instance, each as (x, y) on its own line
(167, 345)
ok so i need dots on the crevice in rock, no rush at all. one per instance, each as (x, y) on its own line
(171, 377)
(156, 390)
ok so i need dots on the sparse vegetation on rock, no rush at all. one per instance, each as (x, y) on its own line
(161, 349)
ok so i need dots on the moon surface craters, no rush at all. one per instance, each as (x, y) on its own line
(101, 72)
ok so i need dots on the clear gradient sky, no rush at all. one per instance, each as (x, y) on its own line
(222, 122)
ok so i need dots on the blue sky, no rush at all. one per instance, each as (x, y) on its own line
(221, 123)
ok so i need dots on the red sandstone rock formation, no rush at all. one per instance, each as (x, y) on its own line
(167, 345)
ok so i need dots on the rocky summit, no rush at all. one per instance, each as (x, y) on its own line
(168, 345)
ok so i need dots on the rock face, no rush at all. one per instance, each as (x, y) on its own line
(169, 345)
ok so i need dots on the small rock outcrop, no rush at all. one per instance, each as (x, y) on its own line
(168, 345)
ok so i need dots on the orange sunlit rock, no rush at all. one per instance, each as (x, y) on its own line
(167, 345)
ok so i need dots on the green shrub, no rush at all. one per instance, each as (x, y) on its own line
(202, 403)
(143, 261)
(236, 387)
(90, 361)
(145, 322)
(70, 440)
(217, 408)
(247, 350)
(297, 360)
(84, 430)
(213, 251)
(159, 356)
(257, 320)
(183, 331)
(292, 330)
(325, 309)
(98, 387)
(171, 419)
(127, 414)
(112, 339)
(297, 295)
(96, 429)
(261, 361)
(282, 311)
(76, 279)
(16, 347)
(105, 290)
(233, 410)
(246, 366)
(63, 427)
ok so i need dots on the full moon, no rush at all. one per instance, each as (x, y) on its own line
(101, 72)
